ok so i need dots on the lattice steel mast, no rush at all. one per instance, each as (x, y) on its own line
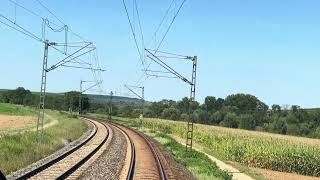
(192, 84)
(42, 92)
(110, 106)
(140, 96)
(82, 91)
(192, 99)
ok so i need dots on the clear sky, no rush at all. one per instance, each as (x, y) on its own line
(266, 48)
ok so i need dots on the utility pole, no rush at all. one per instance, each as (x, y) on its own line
(142, 115)
(110, 106)
(80, 98)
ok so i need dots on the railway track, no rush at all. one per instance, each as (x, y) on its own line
(144, 161)
(63, 166)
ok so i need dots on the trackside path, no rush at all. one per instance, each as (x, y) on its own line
(237, 175)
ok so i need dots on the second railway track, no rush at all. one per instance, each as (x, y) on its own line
(65, 165)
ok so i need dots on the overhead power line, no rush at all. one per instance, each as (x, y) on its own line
(173, 19)
(133, 32)
(162, 21)
(50, 11)
(20, 28)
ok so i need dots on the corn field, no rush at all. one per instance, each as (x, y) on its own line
(254, 149)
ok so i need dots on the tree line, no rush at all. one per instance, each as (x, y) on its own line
(68, 101)
(242, 111)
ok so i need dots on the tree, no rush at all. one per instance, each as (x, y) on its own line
(217, 117)
(219, 104)
(184, 105)
(201, 116)
(280, 125)
(16, 96)
(171, 113)
(209, 103)
(230, 120)
(246, 121)
(276, 108)
(245, 103)
(72, 100)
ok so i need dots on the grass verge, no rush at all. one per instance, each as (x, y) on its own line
(21, 149)
(17, 110)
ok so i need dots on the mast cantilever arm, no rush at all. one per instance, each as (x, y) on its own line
(65, 60)
(91, 86)
(167, 67)
(133, 92)
(89, 68)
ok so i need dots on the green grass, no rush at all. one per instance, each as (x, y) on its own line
(197, 163)
(19, 150)
(17, 110)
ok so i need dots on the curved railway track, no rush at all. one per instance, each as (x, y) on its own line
(64, 165)
(145, 160)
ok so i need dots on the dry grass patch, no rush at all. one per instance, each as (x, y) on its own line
(12, 122)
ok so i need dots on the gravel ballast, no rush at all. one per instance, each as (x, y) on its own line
(110, 163)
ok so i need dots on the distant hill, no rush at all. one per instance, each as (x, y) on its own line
(116, 99)
(99, 98)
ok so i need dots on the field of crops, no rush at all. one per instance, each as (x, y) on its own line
(255, 149)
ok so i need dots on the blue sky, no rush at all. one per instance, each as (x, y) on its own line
(266, 48)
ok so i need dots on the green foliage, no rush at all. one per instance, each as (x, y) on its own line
(71, 100)
(171, 113)
(230, 120)
(17, 96)
(198, 163)
(245, 103)
(17, 110)
(247, 121)
(279, 125)
(217, 117)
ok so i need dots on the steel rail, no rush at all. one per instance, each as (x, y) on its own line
(66, 154)
(86, 158)
(133, 158)
(155, 155)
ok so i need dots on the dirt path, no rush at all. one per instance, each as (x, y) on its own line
(238, 175)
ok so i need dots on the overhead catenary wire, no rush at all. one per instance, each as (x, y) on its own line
(20, 28)
(140, 27)
(22, 31)
(50, 11)
(162, 21)
(13, 25)
(133, 32)
(39, 16)
(171, 23)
